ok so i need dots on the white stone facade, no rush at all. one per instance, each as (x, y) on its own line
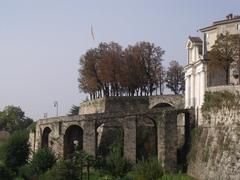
(194, 74)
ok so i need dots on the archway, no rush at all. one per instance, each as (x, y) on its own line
(146, 146)
(45, 137)
(73, 140)
(183, 130)
(162, 105)
(110, 135)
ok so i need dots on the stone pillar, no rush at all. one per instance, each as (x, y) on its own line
(192, 86)
(38, 138)
(186, 91)
(167, 140)
(89, 138)
(130, 139)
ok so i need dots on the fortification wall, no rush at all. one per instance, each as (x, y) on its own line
(115, 104)
(215, 152)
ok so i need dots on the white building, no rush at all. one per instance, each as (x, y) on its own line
(195, 76)
(197, 79)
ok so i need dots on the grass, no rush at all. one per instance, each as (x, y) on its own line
(96, 175)
(178, 176)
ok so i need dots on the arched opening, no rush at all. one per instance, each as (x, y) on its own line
(183, 131)
(146, 146)
(45, 137)
(73, 140)
(110, 137)
(163, 105)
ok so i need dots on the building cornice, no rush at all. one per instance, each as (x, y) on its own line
(217, 23)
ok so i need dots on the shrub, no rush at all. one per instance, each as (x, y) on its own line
(63, 170)
(16, 150)
(117, 165)
(42, 160)
(69, 168)
(4, 172)
(150, 169)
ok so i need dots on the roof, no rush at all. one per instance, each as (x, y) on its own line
(229, 20)
(195, 39)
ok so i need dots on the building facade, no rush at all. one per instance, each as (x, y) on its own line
(197, 78)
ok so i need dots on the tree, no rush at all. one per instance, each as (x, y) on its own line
(74, 110)
(43, 160)
(12, 118)
(223, 53)
(16, 150)
(110, 71)
(175, 77)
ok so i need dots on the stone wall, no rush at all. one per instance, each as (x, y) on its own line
(129, 104)
(114, 104)
(215, 151)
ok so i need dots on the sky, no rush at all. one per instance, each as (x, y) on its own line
(41, 41)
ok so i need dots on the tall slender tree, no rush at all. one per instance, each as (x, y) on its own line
(175, 77)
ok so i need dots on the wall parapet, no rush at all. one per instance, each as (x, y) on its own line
(230, 88)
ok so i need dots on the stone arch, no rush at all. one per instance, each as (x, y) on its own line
(176, 101)
(183, 134)
(146, 138)
(162, 105)
(45, 137)
(108, 132)
(73, 139)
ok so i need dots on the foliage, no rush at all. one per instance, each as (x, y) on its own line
(42, 160)
(220, 99)
(224, 52)
(4, 172)
(108, 70)
(16, 150)
(12, 118)
(150, 169)
(194, 139)
(32, 127)
(63, 170)
(69, 168)
(74, 110)
(115, 163)
(146, 143)
(178, 176)
(175, 77)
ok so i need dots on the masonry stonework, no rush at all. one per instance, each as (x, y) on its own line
(132, 114)
(215, 153)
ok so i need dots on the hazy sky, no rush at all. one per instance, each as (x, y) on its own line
(41, 41)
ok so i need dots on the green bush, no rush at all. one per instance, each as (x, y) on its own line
(69, 168)
(178, 176)
(16, 150)
(150, 169)
(217, 100)
(42, 160)
(4, 172)
(63, 170)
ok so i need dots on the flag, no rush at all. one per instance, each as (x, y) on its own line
(92, 33)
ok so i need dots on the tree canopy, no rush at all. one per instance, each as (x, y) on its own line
(110, 70)
(175, 77)
(12, 118)
(224, 52)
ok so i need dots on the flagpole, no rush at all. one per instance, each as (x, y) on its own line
(56, 106)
